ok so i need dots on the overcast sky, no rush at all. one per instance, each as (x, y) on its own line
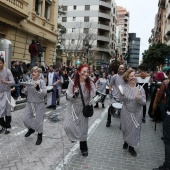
(142, 18)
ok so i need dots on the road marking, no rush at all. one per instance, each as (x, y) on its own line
(73, 151)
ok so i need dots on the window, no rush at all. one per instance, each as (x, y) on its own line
(72, 41)
(74, 7)
(64, 19)
(87, 7)
(74, 18)
(85, 30)
(86, 19)
(73, 29)
(63, 41)
(64, 8)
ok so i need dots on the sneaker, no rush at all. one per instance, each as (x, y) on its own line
(132, 151)
(19, 98)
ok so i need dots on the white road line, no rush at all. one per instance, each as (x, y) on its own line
(76, 146)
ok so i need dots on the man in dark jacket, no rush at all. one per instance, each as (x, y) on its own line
(33, 50)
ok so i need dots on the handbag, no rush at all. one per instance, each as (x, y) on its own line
(87, 109)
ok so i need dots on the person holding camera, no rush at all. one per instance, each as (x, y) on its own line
(76, 124)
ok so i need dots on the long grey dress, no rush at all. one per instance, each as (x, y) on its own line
(76, 125)
(5, 92)
(131, 114)
(35, 107)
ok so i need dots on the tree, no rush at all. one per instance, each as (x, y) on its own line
(76, 42)
(155, 55)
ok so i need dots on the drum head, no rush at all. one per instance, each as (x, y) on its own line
(49, 88)
(117, 105)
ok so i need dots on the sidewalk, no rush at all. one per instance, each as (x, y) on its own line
(106, 152)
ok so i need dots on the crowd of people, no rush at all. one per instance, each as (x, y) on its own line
(131, 88)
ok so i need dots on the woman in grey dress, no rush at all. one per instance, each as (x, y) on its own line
(35, 108)
(6, 80)
(76, 125)
(133, 99)
(101, 88)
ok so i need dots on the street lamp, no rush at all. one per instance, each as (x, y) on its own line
(88, 47)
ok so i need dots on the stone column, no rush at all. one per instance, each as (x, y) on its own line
(43, 8)
(64, 57)
(73, 60)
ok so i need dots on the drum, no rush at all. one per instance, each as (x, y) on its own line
(49, 89)
(49, 95)
(117, 105)
(116, 109)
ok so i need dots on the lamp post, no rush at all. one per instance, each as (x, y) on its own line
(88, 47)
(58, 54)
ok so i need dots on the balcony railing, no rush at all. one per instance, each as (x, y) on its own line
(15, 7)
(104, 27)
(104, 15)
(103, 38)
(105, 4)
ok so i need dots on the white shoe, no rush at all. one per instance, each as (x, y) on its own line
(19, 98)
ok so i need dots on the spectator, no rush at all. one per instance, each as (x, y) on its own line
(33, 50)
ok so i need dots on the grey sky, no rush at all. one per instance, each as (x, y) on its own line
(142, 18)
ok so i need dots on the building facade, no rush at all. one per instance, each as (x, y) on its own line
(91, 31)
(123, 24)
(22, 21)
(133, 51)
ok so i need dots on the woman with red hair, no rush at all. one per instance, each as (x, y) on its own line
(76, 125)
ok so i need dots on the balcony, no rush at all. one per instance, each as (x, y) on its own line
(103, 48)
(104, 15)
(167, 30)
(105, 4)
(14, 8)
(168, 13)
(104, 27)
(103, 38)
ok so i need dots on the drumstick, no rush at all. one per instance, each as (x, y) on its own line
(71, 80)
(141, 87)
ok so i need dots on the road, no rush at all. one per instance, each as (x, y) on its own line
(57, 153)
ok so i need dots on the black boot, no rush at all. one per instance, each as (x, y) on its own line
(84, 148)
(8, 121)
(132, 151)
(30, 131)
(39, 139)
(2, 124)
(96, 106)
(125, 145)
(103, 106)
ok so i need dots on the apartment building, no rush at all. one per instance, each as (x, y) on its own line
(91, 31)
(24, 20)
(133, 51)
(123, 24)
(160, 31)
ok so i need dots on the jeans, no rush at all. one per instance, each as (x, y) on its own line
(17, 87)
(166, 133)
(33, 61)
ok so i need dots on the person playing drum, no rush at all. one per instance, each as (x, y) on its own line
(101, 88)
(133, 99)
(115, 81)
(35, 107)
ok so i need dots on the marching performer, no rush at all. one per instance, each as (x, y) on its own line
(35, 108)
(76, 124)
(101, 88)
(6, 80)
(133, 99)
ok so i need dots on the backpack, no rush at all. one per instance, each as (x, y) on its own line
(168, 97)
